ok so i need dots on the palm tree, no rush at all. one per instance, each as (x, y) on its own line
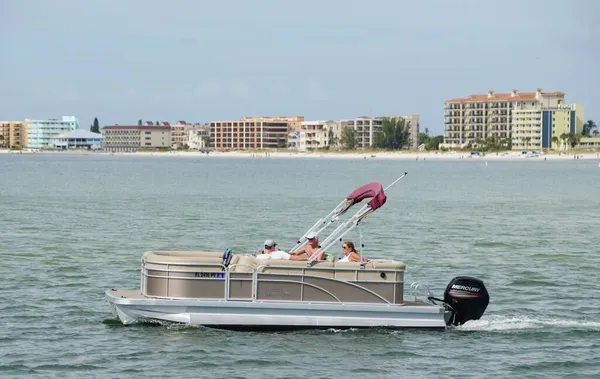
(588, 128)
(564, 138)
(555, 141)
(574, 140)
(527, 140)
(596, 132)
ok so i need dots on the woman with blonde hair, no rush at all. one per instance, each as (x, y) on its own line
(350, 253)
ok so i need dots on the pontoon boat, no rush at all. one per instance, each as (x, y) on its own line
(238, 291)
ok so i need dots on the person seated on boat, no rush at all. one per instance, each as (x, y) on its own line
(350, 253)
(311, 248)
(270, 252)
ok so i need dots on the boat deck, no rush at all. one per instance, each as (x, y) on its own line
(130, 294)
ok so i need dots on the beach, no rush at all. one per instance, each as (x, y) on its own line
(353, 155)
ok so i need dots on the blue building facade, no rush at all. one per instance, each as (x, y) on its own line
(559, 121)
(40, 133)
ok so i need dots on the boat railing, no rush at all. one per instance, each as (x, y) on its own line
(418, 288)
(171, 270)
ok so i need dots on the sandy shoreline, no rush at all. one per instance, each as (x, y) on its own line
(440, 156)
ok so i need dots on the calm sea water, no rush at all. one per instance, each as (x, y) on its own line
(73, 226)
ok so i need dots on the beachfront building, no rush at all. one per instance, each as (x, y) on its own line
(297, 140)
(412, 122)
(198, 137)
(545, 127)
(589, 143)
(254, 133)
(77, 139)
(41, 132)
(315, 135)
(365, 128)
(180, 134)
(131, 138)
(13, 134)
(471, 120)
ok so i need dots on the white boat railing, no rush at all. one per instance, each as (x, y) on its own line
(227, 272)
(415, 289)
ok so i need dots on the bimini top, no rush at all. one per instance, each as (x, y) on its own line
(372, 190)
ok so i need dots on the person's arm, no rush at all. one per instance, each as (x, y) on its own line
(298, 252)
(318, 253)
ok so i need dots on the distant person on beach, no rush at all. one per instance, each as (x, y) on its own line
(311, 248)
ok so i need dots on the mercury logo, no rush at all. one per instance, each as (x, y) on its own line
(465, 288)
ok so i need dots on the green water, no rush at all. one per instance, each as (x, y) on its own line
(73, 226)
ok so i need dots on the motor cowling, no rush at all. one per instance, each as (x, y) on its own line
(467, 299)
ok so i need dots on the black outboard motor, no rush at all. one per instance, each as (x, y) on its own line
(467, 299)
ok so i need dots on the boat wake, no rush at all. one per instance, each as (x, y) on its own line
(527, 323)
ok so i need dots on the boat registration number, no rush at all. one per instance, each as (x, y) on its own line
(219, 275)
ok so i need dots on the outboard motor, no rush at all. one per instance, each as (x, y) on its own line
(467, 299)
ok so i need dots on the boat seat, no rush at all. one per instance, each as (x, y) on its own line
(385, 263)
(280, 266)
(371, 270)
(234, 259)
(192, 261)
(184, 256)
(242, 263)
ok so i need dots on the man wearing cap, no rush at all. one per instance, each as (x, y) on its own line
(311, 248)
(269, 252)
(269, 246)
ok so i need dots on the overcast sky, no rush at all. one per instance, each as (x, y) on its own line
(206, 60)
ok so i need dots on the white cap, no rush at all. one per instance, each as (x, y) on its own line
(311, 235)
(270, 243)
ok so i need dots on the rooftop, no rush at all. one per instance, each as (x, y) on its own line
(137, 127)
(514, 95)
(80, 133)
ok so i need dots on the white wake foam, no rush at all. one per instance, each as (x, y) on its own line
(506, 323)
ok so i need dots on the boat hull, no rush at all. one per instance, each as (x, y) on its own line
(131, 307)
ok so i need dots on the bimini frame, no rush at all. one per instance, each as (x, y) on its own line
(374, 191)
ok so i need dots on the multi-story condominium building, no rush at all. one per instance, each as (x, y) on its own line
(544, 127)
(180, 133)
(41, 132)
(315, 135)
(135, 137)
(470, 121)
(13, 134)
(253, 133)
(365, 128)
(560, 121)
(412, 121)
(198, 137)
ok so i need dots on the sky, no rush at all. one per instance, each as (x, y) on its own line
(199, 60)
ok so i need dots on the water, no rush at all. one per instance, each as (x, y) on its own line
(74, 226)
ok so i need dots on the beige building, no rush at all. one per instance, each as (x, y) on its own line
(180, 133)
(412, 122)
(367, 127)
(253, 132)
(13, 134)
(133, 138)
(199, 137)
(315, 135)
(471, 120)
